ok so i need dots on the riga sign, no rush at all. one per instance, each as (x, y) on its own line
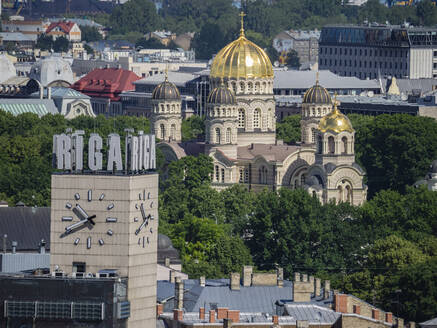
(139, 154)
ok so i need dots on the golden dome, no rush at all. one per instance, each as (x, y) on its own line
(335, 121)
(241, 59)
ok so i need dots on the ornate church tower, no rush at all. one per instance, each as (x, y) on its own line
(246, 69)
(166, 118)
(335, 175)
(316, 103)
(222, 121)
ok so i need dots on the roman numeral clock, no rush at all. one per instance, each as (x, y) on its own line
(107, 218)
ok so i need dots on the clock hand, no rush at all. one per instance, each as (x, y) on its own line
(145, 222)
(143, 212)
(78, 226)
(82, 211)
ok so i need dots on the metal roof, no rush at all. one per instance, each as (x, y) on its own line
(178, 78)
(40, 107)
(18, 36)
(14, 263)
(429, 324)
(312, 313)
(293, 79)
(25, 225)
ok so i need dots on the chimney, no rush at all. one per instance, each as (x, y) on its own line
(211, 316)
(178, 315)
(317, 287)
(5, 238)
(340, 303)
(280, 277)
(275, 320)
(222, 313)
(296, 276)
(49, 93)
(14, 247)
(172, 276)
(202, 281)
(235, 281)
(375, 314)
(159, 309)
(389, 317)
(202, 313)
(167, 262)
(42, 246)
(304, 277)
(327, 289)
(179, 293)
(234, 316)
(247, 275)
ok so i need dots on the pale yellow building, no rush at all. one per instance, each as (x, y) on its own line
(240, 133)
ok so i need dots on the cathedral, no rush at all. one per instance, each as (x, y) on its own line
(240, 131)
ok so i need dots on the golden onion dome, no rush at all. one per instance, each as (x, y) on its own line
(317, 95)
(335, 121)
(241, 59)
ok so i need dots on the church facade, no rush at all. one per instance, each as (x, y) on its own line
(240, 131)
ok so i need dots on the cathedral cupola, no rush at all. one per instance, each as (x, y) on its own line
(222, 96)
(317, 95)
(166, 116)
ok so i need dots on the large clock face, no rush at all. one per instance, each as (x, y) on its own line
(82, 218)
(143, 218)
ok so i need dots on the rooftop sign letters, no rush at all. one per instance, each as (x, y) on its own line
(139, 154)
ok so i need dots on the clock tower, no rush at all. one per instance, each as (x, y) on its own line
(106, 221)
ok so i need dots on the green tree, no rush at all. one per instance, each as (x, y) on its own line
(396, 150)
(193, 128)
(293, 60)
(44, 42)
(135, 16)
(61, 44)
(90, 33)
(151, 43)
(289, 129)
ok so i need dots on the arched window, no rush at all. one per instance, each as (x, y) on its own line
(217, 135)
(241, 118)
(256, 87)
(340, 194)
(320, 145)
(331, 145)
(173, 132)
(262, 175)
(302, 179)
(313, 135)
(162, 131)
(344, 143)
(234, 87)
(296, 184)
(223, 175)
(250, 87)
(242, 89)
(216, 173)
(228, 135)
(256, 118)
(172, 108)
(349, 198)
(168, 108)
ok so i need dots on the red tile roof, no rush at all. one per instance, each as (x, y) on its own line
(64, 26)
(106, 83)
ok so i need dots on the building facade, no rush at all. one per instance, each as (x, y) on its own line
(370, 52)
(241, 136)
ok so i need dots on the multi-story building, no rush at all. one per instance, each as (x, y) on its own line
(305, 43)
(69, 30)
(27, 27)
(379, 50)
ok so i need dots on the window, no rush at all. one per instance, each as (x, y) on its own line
(228, 135)
(262, 172)
(241, 178)
(256, 118)
(331, 145)
(162, 131)
(173, 132)
(216, 173)
(79, 267)
(223, 175)
(313, 135)
(344, 143)
(241, 118)
(217, 135)
(302, 179)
